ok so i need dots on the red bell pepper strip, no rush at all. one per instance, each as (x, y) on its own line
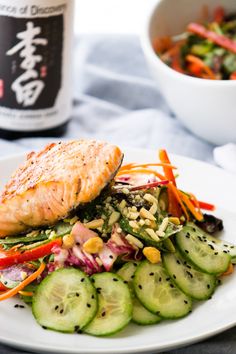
(8, 258)
(203, 205)
(218, 39)
(2, 287)
(219, 14)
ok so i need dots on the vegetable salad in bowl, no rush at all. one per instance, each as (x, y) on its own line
(206, 50)
(141, 251)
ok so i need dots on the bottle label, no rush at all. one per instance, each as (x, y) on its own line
(35, 39)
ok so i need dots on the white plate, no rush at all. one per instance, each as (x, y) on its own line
(19, 329)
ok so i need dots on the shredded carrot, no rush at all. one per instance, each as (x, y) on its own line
(25, 293)
(233, 76)
(173, 205)
(198, 215)
(219, 14)
(12, 292)
(164, 158)
(177, 196)
(159, 164)
(162, 44)
(126, 167)
(229, 270)
(143, 171)
(200, 63)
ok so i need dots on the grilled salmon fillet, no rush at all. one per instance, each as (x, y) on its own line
(53, 182)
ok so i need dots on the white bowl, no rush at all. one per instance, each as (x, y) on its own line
(206, 107)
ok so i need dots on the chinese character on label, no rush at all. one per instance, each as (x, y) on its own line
(28, 86)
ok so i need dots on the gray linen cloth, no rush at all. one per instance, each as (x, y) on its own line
(116, 99)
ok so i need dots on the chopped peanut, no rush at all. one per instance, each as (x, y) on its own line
(134, 241)
(152, 254)
(68, 241)
(93, 245)
(145, 214)
(94, 224)
(174, 220)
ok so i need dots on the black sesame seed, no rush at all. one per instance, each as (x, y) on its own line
(190, 274)
(208, 286)
(215, 253)
(61, 311)
(171, 285)
(140, 286)
(211, 247)
(135, 264)
(132, 277)
(125, 282)
(226, 245)
(77, 294)
(151, 273)
(160, 279)
(178, 262)
(231, 246)
(186, 251)
(56, 307)
(99, 290)
(174, 276)
(44, 327)
(103, 313)
(194, 229)
(82, 280)
(115, 279)
(167, 279)
(185, 301)
(188, 266)
(16, 305)
(88, 305)
(76, 328)
(92, 297)
(111, 256)
(225, 251)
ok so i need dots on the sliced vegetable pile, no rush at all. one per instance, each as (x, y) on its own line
(141, 251)
(206, 50)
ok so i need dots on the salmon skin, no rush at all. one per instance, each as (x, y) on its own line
(54, 181)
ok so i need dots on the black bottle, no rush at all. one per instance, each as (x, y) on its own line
(35, 67)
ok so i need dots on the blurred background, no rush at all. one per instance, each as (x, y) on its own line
(110, 16)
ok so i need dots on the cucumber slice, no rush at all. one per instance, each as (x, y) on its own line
(156, 291)
(197, 246)
(140, 314)
(65, 301)
(114, 305)
(194, 283)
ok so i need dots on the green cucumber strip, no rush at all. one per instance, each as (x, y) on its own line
(198, 248)
(16, 240)
(156, 291)
(65, 301)
(114, 305)
(62, 228)
(140, 314)
(194, 283)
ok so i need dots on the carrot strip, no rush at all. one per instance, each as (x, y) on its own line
(133, 165)
(229, 270)
(198, 215)
(177, 196)
(12, 292)
(173, 205)
(219, 14)
(233, 76)
(200, 63)
(141, 170)
(25, 293)
(164, 158)
(218, 39)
